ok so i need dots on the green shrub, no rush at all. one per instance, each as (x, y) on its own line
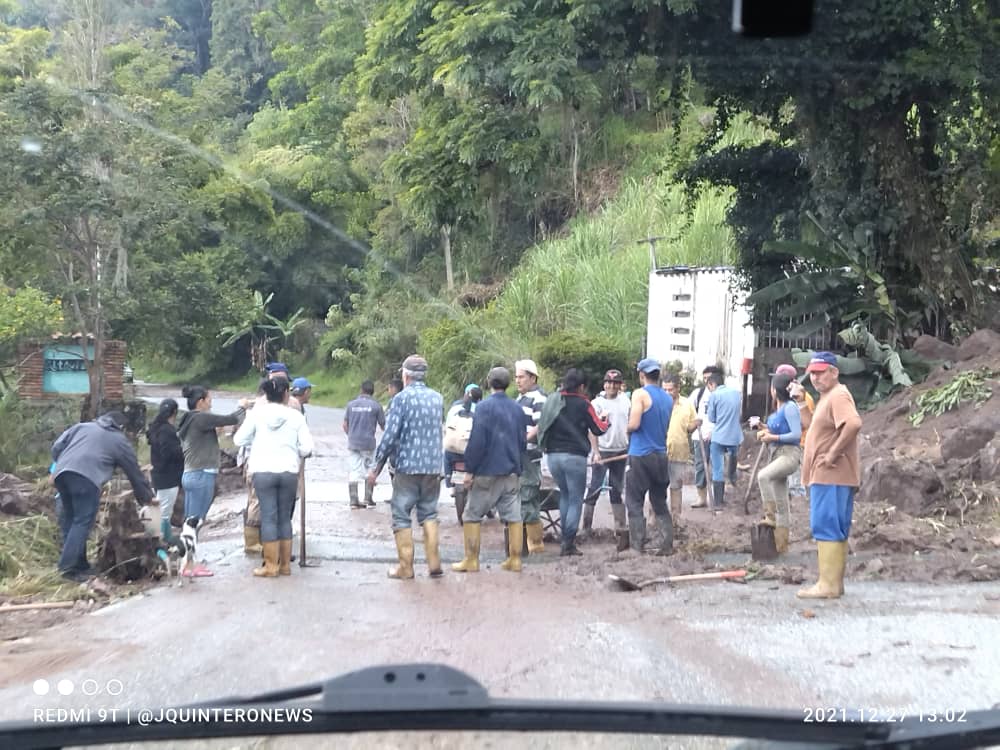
(460, 351)
(595, 355)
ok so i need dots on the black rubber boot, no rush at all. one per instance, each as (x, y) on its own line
(636, 531)
(718, 495)
(352, 490)
(665, 525)
(460, 498)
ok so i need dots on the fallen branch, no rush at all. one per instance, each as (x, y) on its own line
(35, 605)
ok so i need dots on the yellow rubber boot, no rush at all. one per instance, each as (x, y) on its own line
(270, 567)
(832, 561)
(515, 537)
(284, 557)
(431, 549)
(404, 548)
(251, 540)
(535, 543)
(470, 563)
(770, 513)
(702, 497)
(676, 506)
(781, 539)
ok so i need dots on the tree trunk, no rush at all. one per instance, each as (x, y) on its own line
(446, 247)
(576, 163)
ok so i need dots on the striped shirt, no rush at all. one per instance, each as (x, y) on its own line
(531, 403)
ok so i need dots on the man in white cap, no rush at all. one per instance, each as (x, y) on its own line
(531, 400)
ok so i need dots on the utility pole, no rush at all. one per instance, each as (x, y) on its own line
(652, 250)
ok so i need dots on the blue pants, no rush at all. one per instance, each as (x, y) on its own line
(716, 459)
(700, 469)
(570, 472)
(199, 490)
(276, 495)
(411, 491)
(80, 499)
(831, 507)
(450, 459)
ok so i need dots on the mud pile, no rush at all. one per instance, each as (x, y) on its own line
(928, 508)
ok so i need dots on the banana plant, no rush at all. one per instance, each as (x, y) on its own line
(257, 326)
(832, 283)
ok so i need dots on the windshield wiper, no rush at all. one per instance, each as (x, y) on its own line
(429, 697)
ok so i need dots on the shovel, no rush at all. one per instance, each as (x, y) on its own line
(626, 585)
(303, 563)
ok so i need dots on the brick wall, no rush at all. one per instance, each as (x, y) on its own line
(31, 364)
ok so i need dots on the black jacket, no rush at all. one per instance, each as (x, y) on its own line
(574, 418)
(167, 456)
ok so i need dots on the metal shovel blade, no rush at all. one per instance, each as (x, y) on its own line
(762, 546)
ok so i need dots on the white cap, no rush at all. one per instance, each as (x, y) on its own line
(527, 365)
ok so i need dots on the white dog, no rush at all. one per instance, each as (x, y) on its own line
(185, 548)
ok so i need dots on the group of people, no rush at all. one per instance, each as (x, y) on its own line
(641, 442)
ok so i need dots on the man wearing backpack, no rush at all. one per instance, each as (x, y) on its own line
(361, 417)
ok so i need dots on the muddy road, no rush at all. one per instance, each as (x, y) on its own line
(554, 631)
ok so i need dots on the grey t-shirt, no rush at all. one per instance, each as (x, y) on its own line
(362, 415)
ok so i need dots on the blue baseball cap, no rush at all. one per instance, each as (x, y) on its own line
(821, 361)
(300, 384)
(648, 365)
(276, 367)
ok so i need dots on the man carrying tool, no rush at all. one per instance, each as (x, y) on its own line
(683, 422)
(702, 437)
(413, 435)
(724, 405)
(609, 454)
(531, 400)
(831, 469)
(362, 416)
(493, 467)
(648, 471)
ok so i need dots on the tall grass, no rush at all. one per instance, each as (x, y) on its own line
(595, 280)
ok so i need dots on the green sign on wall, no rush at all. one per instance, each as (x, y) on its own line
(65, 370)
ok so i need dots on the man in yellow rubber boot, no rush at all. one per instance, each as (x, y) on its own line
(413, 438)
(493, 470)
(531, 400)
(831, 469)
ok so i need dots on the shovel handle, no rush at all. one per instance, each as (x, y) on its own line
(709, 576)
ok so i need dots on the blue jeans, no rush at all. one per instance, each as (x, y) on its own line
(716, 459)
(570, 472)
(199, 490)
(80, 499)
(700, 470)
(411, 491)
(276, 495)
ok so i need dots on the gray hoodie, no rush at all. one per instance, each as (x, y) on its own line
(94, 449)
(196, 429)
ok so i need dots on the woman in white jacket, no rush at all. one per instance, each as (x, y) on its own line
(279, 439)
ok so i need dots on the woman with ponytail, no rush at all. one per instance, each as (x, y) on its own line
(167, 457)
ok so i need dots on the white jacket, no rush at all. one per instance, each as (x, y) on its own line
(278, 437)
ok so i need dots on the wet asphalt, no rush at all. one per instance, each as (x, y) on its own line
(555, 631)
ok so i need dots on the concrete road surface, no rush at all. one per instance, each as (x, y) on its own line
(554, 631)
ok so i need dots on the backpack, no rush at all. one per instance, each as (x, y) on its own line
(457, 430)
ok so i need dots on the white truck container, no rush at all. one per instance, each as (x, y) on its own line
(694, 316)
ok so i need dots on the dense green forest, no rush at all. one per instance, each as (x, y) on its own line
(346, 182)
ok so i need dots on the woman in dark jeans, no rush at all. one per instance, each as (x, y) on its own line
(567, 421)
